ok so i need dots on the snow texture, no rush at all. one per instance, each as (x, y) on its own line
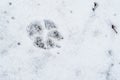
(59, 39)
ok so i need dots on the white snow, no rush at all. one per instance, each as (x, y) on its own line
(90, 49)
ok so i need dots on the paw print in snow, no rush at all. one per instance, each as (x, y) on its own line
(49, 24)
(38, 42)
(50, 43)
(35, 28)
(55, 34)
(37, 33)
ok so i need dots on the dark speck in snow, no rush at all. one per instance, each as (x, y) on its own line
(38, 4)
(71, 11)
(95, 6)
(110, 52)
(112, 65)
(18, 43)
(114, 14)
(12, 18)
(114, 28)
(10, 3)
(58, 53)
(5, 12)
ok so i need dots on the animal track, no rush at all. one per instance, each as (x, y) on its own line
(37, 32)
(39, 42)
(50, 43)
(55, 34)
(49, 24)
(34, 28)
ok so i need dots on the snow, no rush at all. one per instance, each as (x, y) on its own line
(89, 49)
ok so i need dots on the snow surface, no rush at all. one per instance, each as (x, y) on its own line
(89, 50)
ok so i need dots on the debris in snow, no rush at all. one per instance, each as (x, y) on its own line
(12, 17)
(114, 28)
(95, 6)
(10, 3)
(110, 52)
(18, 43)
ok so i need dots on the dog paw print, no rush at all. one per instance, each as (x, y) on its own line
(55, 35)
(34, 29)
(50, 43)
(44, 36)
(49, 24)
(38, 42)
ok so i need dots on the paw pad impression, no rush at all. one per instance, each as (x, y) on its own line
(36, 32)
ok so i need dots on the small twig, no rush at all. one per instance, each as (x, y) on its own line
(113, 27)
